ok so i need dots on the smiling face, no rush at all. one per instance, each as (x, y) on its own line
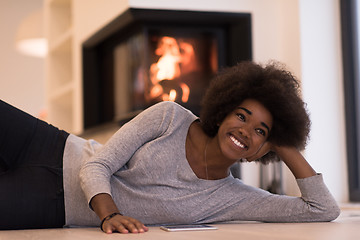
(244, 130)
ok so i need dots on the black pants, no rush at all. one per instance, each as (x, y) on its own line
(31, 178)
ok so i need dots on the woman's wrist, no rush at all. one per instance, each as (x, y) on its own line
(108, 218)
(295, 161)
(103, 205)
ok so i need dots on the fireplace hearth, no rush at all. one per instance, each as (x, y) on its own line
(146, 56)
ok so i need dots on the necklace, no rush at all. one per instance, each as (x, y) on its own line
(206, 166)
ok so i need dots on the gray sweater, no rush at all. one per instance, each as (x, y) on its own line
(144, 168)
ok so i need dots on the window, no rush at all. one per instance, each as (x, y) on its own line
(350, 26)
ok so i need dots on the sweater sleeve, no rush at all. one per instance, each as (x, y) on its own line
(316, 204)
(96, 171)
(318, 200)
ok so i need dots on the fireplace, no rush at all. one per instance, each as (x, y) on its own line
(146, 56)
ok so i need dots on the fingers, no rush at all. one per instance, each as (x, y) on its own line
(124, 224)
(261, 152)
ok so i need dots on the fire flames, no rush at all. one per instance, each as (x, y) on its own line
(175, 58)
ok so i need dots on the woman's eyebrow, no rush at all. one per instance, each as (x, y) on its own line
(266, 126)
(246, 110)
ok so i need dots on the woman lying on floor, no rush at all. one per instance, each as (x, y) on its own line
(166, 166)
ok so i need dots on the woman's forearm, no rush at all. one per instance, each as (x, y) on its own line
(295, 161)
(103, 205)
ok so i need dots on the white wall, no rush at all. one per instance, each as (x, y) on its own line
(21, 77)
(323, 91)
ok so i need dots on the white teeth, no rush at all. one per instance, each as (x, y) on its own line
(237, 143)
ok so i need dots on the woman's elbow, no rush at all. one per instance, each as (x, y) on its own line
(329, 213)
(333, 213)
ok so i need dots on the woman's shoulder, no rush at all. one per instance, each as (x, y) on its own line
(169, 115)
(161, 116)
(169, 108)
(168, 104)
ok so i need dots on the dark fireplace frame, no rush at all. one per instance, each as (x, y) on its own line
(98, 49)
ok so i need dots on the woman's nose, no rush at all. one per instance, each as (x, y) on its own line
(244, 131)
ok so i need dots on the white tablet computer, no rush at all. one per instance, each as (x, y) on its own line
(191, 227)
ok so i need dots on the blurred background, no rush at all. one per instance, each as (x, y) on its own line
(304, 34)
(22, 77)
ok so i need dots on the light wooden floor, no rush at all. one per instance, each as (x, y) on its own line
(346, 227)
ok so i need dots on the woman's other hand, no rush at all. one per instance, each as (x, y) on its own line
(123, 224)
(265, 148)
(295, 161)
(290, 156)
(105, 207)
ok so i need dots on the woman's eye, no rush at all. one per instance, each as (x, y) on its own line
(241, 116)
(261, 131)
